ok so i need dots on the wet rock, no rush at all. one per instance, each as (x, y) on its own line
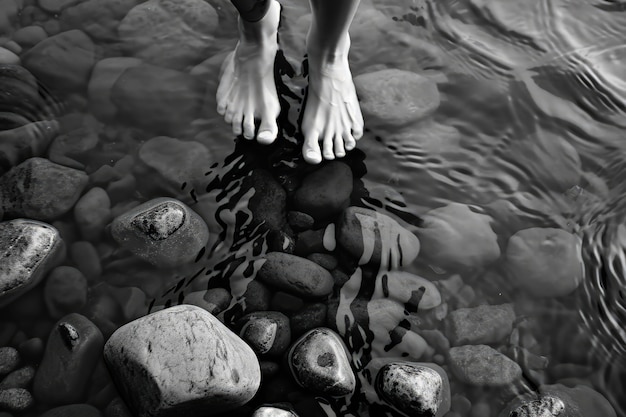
(273, 411)
(269, 200)
(481, 365)
(184, 30)
(546, 262)
(560, 401)
(98, 19)
(73, 410)
(267, 332)
(325, 260)
(64, 61)
(9, 360)
(374, 238)
(207, 364)
(29, 249)
(103, 77)
(393, 97)
(214, 300)
(318, 361)
(55, 6)
(175, 161)
(65, 291)
(160, 100)
(310, 241)
(29, 36)
(92, 213)
(456, 237)
(163, 231)
(8, 57)
(310, 317)
(326, 191)
(257, 297)
(21, 143)
(87, 260)
(285, 302)
(300, 221)
(414, 389)
(20, 378)
(72, 352)
(480, 325)
(32, 349)
(296, 275)
(74, 146)
(15, 399)
(40, 189)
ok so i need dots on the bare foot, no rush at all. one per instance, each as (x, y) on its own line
(247, 91)
(332, 114)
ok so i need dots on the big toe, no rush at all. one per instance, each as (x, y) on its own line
(268, 130)
(311, 150)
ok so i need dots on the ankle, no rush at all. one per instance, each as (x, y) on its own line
(262, 31)
(325, 52)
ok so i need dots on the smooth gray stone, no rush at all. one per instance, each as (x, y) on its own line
(181, 361)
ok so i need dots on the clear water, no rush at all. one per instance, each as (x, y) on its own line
(529, 90)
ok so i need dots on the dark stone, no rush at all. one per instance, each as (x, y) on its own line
(325, 260)
(310, 317)
(300, 221)
(326, 191)
(310, 241)
(285, 302)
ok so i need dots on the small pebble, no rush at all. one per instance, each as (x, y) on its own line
(325, 260)
(296, 275)
(267, 332)
(32, 349)
(8, 57)
(310, 317)
(271, 411)
(300, 221)
(29, 36)
(92, 212)
(87, 260)
(15, 399)
(285, 302)
(20, 378)
(9, 360)
(65, 291)
(481, 365)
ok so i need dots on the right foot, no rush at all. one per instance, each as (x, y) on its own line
(247, 91)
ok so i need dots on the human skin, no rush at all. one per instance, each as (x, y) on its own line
(332, 121)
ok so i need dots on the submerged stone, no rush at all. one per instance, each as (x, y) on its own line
(374, 238)
(546, 262)
(319, 362)
(481, 365)
(40, 189)
(412, 389)
(296, 275)
(394, 97)
(72, 352)
(457, 237)
(480, 325)
(28, 249)
(181, 360)
(163, 231)
(326, 191)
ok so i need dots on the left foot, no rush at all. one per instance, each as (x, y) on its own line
(332, 114)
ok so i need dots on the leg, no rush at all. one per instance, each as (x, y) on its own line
(332, 114)
(246, 90)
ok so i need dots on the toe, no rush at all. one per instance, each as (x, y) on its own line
(340, 151)
(327, 145)
(348, 141)
(311, 149)
(268, 130)
(237, 121)
(248, 126)
(230, 113)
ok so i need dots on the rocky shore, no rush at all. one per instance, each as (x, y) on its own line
(137, 279)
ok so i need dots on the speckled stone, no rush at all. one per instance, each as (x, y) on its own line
(9, 359)
(272, 411)
(481, 365)
(15, 399)
(412, 389)
(545, 406)
(163, 231)
(72, 352)
(41, 190)
(480, 325)
(181, 361)
(28, 249)
(319, 362)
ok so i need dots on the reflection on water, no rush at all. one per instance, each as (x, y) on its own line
(529, 134)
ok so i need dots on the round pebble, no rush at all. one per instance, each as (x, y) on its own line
(65, 291)
(20, 378)
(9, 359)
(15, 399)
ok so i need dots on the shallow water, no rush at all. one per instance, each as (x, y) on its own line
(532, 118)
